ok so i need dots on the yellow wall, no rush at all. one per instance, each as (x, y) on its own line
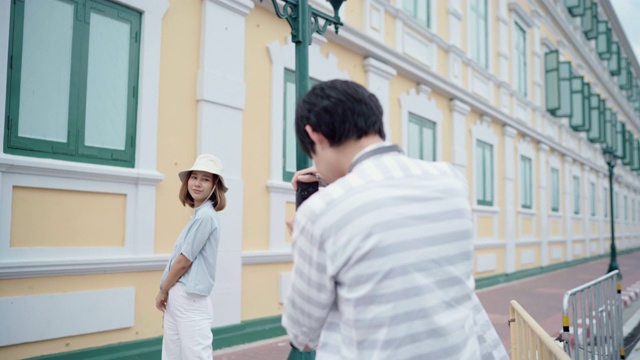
(485, 227)
(578, 244)
(562, 247)
(261, 30)
(177, 115)
(88, 218)
(148, 320)
(261, 290)
(556, 227)
(577, 227)
(398, 86)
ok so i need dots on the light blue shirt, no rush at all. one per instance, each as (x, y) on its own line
(198, 242)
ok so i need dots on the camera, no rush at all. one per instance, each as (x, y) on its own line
(304, 191)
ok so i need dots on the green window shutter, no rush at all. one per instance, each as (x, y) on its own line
(88, 114)
(555, 190)
(614, 61)
(597, 118)
(565, 91)
(603, 40)
(484, 173)
(575, 7)
(526, 186)
(422, 138)
(628, 141)
(552, 80)
(576, 195)
(624, 80)
(636, 155)
(610, 128)
(478, 22)
(620, 139)
(589, 20)
(580, 104)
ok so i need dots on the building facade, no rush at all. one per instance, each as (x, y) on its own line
(105, 101)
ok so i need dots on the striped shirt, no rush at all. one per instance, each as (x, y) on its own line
(383, 267)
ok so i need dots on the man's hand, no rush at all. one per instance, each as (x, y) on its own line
(161, 300)
(306, 176)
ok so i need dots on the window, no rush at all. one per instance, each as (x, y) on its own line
(576, 195)
(520, 59)
(605, 196)
(291, 149)
(526, 185)
(422, 138)
(419, 10)
(555, 190)
(72, 81)
(479, 32)
(484, 169)
(592, 185)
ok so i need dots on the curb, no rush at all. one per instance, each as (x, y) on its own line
(631, 294)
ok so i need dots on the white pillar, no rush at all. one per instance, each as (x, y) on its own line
(543, 208)
(568, 206)
(537, 59)
(378, 76)
(454, 12)
(600, 208)
(509, 196)
(221, 101)
(503, 56)
(459, 111)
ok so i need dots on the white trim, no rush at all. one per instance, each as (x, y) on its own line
(419, 103)
(486, 263)
(374, 19)
(378, 81)
(139, 184)
(84, 266)
(59, 315)
(527, 257)
(556, 253)
(519, 14)
(266, 257)
(321, 68)
(489, 244)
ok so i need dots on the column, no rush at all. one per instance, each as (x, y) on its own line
(378, 76)
(221, 101)
(543, 209)
(459, 111)
(568, 206)
(456, 54)
(537, 59)
(509, 196)
(602, 178)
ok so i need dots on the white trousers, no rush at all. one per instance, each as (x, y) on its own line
(187, 326)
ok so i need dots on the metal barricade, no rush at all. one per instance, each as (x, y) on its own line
(529, 341)
(592, 319)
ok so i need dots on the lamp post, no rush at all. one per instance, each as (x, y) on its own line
(305, 21)
(610, 159)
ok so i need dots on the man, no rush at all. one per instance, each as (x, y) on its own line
(383, 256)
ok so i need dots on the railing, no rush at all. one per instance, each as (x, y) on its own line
(529, 341)
(592, 320)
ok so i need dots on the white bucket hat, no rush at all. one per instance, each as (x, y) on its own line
(207, 163)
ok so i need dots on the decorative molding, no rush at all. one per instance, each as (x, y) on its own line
(520, 14)
(240, 7)
(418, 103)
(266, 257)
(84, 266)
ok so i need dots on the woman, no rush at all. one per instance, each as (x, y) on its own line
(189, 276)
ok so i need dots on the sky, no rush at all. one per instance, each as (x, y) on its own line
(628, 12)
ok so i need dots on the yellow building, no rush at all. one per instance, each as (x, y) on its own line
(106, 100)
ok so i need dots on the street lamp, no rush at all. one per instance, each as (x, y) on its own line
(613, 150)
(305, 21)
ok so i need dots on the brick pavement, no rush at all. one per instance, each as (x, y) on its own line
(540, 296)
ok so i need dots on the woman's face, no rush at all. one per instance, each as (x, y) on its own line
(200, 185)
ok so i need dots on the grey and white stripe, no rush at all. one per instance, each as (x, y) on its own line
(383, 259)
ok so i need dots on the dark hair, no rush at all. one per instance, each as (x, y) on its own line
(218, 196)
(340, 110)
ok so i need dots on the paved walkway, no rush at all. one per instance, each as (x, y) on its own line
(540, 296)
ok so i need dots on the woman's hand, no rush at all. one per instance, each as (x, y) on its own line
(161, 300)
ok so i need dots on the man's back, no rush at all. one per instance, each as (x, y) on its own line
(386, 254)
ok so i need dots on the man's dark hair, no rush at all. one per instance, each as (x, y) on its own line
(341, 111)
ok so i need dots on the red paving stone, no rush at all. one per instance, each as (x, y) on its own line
(540, 296)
